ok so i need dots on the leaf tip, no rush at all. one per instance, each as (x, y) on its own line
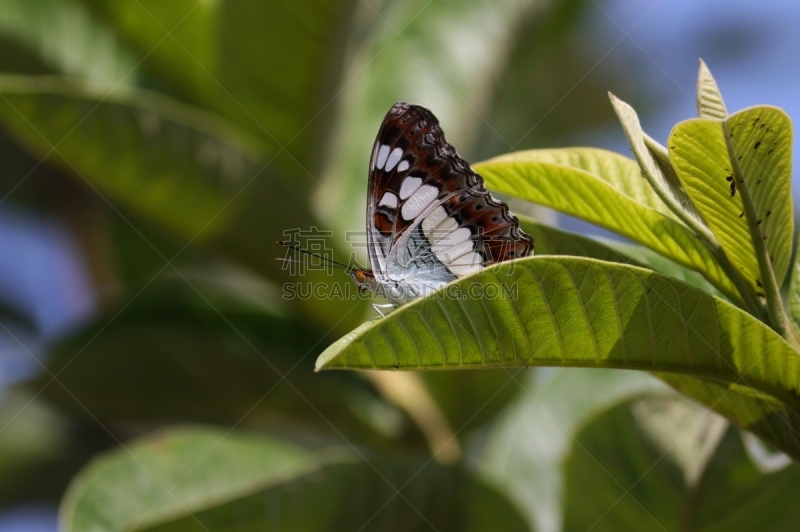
(709, 99)
(324, 359)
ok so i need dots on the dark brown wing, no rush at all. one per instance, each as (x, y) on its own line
(414, 170)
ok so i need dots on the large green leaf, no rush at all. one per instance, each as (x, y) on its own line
(738, 174)
(621, 477)
(62, 36)
(613, 197)
(202, 478)
(175, 164)
(269, 67)
(556, 311)
(622, 173)
(527, 445)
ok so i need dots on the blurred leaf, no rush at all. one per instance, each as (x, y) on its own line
(33, 440)
(773, 420)
(17, 59)
(196, 477)
(527, 446)
(605, 189)
(618, 478)
(62, 36)
(709, 99)
(176, 167)
(580, 312)
(175, 164)
(269, 67)
(175, 353)
(470, 398)
(698, 430)
(738, 174)
(159, 32)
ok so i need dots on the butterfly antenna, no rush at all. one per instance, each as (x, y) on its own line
(326, 259)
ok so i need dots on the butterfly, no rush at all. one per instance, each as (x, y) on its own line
(430, 220)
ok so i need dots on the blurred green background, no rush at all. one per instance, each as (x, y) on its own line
(152, 152)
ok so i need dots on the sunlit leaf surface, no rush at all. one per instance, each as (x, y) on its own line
(580, 312)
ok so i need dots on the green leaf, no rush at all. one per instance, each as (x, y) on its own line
(738, 174)
(794, 291)
(773, 420)
(620, 172)
(63, 37)
(709, 99)
(615, 197)
(172, 163)
(664, 183)
(553, 311)
(213, 479)
(527, 445)
(620, 477)
(269, 67)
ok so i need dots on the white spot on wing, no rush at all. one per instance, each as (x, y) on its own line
(447, 256)
(410, 184)
(447, 226)
(461, 271)
(383, 153)
(452, 239)
(388, 199)
(433, 219)
(403, 166)
(470, 259)
(394, 157)
(419, 201)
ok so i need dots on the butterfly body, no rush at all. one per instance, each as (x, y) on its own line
(430, 220)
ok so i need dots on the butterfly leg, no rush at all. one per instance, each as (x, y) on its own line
(386, 306)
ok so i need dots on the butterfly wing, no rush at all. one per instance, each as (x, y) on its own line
(429, 216)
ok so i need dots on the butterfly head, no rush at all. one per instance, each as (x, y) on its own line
(364, 279)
